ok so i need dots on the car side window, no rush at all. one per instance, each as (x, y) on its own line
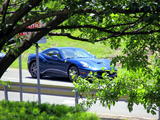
(53, 53)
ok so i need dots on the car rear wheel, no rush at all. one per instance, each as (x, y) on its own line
(33, 70)
(73, 73)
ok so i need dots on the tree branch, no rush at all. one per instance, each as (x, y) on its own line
(4, 10)
(69, 36)
(6, 35)
(103, 38)
(22, 11)
(141, 32)
(93, 27)
(20, 28)
(118, 10)
(79, 38)
(141, 28)
(54, 13)
(102, 29)
(23, 27)
(75, 26)
(136, 22)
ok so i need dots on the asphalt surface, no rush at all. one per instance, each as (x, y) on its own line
(119, 111)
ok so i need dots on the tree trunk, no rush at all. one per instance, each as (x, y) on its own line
(11, 57)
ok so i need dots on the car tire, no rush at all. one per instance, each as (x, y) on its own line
(33, 69)
(73, 73)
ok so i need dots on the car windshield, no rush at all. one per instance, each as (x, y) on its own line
(76, 53)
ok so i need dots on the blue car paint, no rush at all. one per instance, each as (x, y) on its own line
(59, 67)
(1, 55)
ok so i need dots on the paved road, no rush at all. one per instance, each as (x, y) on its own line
(120, 108)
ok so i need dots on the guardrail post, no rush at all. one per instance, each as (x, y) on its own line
(5, 93)
(158, 113)
(20, 77)
(38, 74)
(76, 97)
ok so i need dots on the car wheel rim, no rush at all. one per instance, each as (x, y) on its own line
(33, 69)
(73, 73)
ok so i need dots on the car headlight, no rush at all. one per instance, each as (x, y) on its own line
(84, 64)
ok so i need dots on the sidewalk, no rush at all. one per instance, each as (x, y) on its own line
(104, 117)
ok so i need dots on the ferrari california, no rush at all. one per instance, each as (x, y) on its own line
(68, 62)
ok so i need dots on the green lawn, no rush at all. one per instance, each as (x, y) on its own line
(98, 49)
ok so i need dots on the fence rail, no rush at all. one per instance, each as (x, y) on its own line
(44, 89)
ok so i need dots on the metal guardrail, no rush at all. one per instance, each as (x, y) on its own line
(33, 88)
(58, 90)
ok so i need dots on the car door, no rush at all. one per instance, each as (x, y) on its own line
(54, 64)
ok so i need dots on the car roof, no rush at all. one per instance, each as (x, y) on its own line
(66, 47)
(60, 48)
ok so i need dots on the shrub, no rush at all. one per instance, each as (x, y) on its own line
(80, 116)
(10, 110)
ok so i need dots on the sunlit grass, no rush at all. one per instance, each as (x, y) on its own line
(98, 49)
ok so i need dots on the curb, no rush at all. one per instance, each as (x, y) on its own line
(114, 117)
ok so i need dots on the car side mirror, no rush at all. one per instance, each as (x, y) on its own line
(55, 57)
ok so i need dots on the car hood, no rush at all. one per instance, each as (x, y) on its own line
(93, 63)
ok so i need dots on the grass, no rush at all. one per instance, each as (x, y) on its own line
(98, 49)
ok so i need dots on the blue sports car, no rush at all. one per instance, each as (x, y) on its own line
(68, 62)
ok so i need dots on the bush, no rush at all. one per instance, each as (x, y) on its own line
(34, 111)
(80, 116)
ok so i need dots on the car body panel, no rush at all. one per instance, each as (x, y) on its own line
(1, 55)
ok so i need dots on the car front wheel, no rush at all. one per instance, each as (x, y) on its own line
(73, 73)
(33, 69)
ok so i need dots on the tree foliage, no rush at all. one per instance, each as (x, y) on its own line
(132, 25)
(136, 87)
